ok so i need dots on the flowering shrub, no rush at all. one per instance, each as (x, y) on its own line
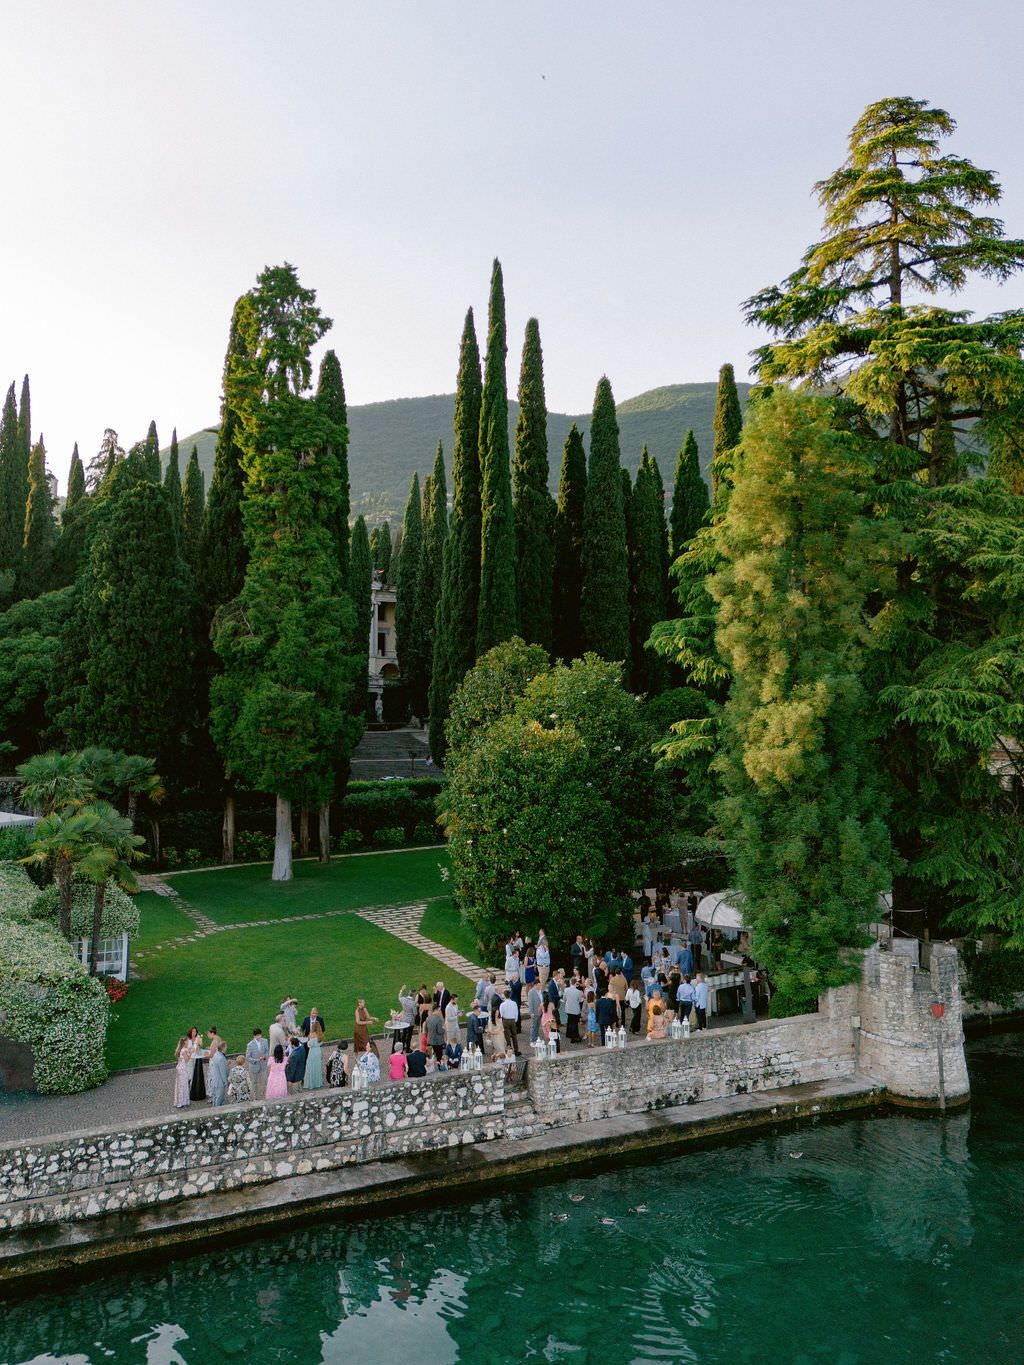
(17, 893)
(49, 1001)
(251, 847)
(120, 915)
(116, 990)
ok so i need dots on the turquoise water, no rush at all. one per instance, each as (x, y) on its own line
(865, 1241)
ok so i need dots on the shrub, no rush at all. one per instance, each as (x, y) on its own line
(251, 847)
(379, 805)
(49, 1001)
(120, 914)
(997, 976)
(392, 836)
(17, 893)
(347, 839)
(14, 842)
(426, 834)
(115, 988)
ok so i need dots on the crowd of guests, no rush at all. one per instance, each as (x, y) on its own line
(643, 991)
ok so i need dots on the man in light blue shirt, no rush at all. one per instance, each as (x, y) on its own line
(543, 960)
(700, 1000)
(685, 997)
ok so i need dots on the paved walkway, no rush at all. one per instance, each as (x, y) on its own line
(403, 921)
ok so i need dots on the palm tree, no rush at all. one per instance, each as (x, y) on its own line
(106, 860)
(56, 782)
(138, 777)
(63, 839)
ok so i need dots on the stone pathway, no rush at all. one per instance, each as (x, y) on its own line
(403, 921)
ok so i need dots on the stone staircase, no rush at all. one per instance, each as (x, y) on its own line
(392, 753)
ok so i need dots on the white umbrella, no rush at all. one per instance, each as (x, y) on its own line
(721, 910)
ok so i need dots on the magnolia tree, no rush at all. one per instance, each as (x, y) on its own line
(554, 810)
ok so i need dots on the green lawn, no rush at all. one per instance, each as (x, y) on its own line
(443, 923)
(159, 920)
(237, 894)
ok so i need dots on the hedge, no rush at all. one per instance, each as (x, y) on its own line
(120, 915)
(382, 806)
(49, 1001)
(17, 893)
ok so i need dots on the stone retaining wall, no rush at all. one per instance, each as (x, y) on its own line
(223, 1149)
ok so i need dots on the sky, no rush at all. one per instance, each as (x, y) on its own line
(639, 168)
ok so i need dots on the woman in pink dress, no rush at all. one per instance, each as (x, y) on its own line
(182, 1057)
(398, 1063)
(277, 1082)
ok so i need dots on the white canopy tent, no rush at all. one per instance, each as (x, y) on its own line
(722, 910)
(9, 818)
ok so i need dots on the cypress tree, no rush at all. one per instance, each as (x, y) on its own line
(153, 453)
(435, 533)
(407, 587)
(172, 482)
(193, 500)
(13, 493)
(604, 610)
(330, 394)
(455, 637)
(647, 575)
(25, 425)
(497, 617)
(568, 570)
(396, 552)
(40, 532)
(380, 548)
(728, 429)
(689, 496)
(360, 584)
(76, 481)
(224, 555)
(534, 509)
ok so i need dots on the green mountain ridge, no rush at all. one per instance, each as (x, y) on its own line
(391, 439)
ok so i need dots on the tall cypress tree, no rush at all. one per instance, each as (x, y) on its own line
(604, 610)
(224, 554)
(647, 574)
(435, 533)
(172, 482)
(193, 499)
(153, 453)
(689, 496)
(497, 617)
(40, 532)
(407, 587)
(380, 548)
(728, 429)
(568, 570)
(76, 480)
(13, 492)
(534, 509)
(25, 423)
(455, 637)
(360, 584)
(330, 394)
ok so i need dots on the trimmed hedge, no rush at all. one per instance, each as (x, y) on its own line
(120, 915)
(377, 808)
(47, 999)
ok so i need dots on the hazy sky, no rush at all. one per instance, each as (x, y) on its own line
(638, 167)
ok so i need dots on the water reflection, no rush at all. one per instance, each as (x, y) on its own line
(848, 1242)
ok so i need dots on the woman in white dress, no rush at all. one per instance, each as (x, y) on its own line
(182, 1060)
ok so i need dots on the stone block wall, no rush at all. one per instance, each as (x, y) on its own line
(223, 1149)
(597, 1083)
(900, 1037)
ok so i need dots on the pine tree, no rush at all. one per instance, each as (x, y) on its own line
(172, 482)
(534, 509)
(568, 570)
(497, 617)
(281, 710)
(330, 394)
(360, 584)
(380, 548)
(76, 481)
(689, 497)
(407, 588)
(435, 533)
(40, 533)
(647, 575)
(604, 609)
(193, 500)
(224, 554)
(728, 428)
(153, 453)
(13, 493)
(455, 639)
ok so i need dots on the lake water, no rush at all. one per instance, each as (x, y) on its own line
(864, 1241)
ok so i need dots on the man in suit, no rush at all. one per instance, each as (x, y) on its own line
(607, 1013)
(441, 997)
(218, 1073)
(278, 1036)
(257, 1052)
(474, 1026)
(313, 1017)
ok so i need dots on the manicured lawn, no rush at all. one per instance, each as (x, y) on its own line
(443, 923)
(238, 978)
(350, 882)
(159, 920)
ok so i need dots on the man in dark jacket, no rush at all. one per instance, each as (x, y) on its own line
(474, 1026)
(607, 1013)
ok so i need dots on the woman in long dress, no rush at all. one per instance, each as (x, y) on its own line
(364, 1019)
(277, 1083)
(314, 1078)
(369, 1065)
(182, 1057)
(337, 1069)
(239, 1091)
(196, 1079)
